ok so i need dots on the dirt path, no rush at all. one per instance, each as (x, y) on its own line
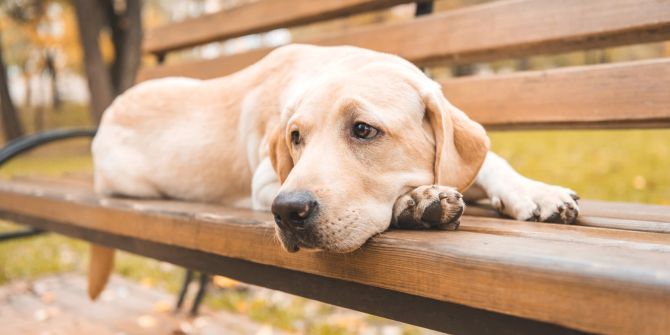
(59, 305)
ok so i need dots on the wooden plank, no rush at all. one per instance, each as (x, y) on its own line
(593, 213)
(632, 94)
(624, 210)
(591, 279)
(254, 18)
(603, 214)
(619, 95)
(622, 216)
(485, 32)
(203, 69)
(69, 182)
(429, 313)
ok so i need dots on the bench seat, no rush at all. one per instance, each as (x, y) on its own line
(609, 273)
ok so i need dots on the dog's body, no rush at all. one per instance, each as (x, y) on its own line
(352, 141)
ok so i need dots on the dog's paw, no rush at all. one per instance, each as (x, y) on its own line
(429, 206)
(535, 201)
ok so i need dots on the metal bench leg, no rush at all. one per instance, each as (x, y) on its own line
(423, 8)
(20, 234)
(204, 280)
(184, 289)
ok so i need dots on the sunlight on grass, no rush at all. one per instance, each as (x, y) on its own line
(37, 256)
(616, 165)
(47, 166)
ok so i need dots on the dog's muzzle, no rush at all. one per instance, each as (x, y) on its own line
(294, 214)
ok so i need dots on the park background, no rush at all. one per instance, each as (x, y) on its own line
(46, 77)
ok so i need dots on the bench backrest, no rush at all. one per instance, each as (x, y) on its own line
(621, 95)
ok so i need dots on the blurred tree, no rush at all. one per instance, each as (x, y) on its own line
(50, 68)
(29, 15)
(121, 21)
(11, 125)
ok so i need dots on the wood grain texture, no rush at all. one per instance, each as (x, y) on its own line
(253, 18)
(603, 214)
(592, 279)
(433, 314)
(633, 94)
(480, 33)
(593, 213)
(203, 69)
(619, 95)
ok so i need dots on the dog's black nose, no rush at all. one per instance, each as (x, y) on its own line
(293, 209)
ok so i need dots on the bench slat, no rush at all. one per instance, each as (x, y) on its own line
(599, 280)
(485, 32)
(253, 18)
(602, 214)
(623, 95)
(203, 69)
(438, 315)
(75, 183)
(619, 95)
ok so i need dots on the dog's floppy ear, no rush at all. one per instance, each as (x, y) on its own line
(460, 143)
(282, 162)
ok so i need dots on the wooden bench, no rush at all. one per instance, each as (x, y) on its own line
(609, 273)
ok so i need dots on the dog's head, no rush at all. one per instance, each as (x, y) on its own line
(359, 136)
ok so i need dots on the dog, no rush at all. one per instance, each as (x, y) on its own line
(339, 143)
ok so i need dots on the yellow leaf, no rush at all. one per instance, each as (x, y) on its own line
(639, 182)
(224, 282)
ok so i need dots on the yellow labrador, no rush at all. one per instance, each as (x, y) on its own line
(339, 142)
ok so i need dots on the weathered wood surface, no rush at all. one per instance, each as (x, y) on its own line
(480, 33)
(592, 279)
(253, 18)
(618, 95)
(621, 95)
(593, 213)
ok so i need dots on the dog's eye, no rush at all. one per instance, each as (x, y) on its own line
(295, 137)
(364, 131)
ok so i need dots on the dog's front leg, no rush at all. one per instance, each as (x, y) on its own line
(264, 186)
(429, 206)
(522, 198)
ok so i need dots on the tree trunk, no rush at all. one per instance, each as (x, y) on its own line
(10, 120)
(132, 51)
(50, 67)
(89, 17)
(126, 28)
(38, 118)
(28, 96)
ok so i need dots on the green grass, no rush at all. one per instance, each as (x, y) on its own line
(608, 165)
(616, 165)
(46, 166)
(34, 257)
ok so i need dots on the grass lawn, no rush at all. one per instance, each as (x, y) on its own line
(616, 165)
(608, 165)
